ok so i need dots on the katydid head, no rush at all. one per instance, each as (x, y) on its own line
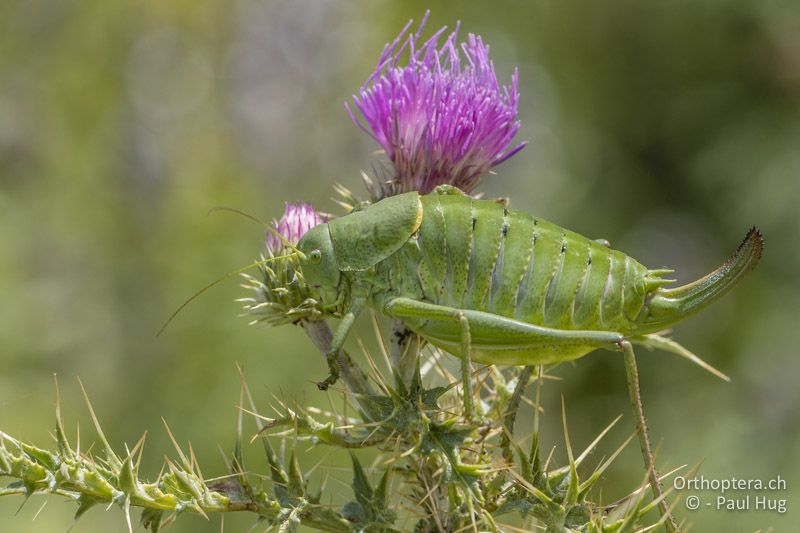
(318, 260)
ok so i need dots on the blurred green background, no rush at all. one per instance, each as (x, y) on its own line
(667, 127)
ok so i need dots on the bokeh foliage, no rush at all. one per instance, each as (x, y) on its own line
(668, 128)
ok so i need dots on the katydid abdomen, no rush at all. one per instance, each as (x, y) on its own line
(507, 262)
(478, 255)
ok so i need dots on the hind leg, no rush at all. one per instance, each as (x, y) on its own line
(632, 373)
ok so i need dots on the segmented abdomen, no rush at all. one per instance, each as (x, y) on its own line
(476, 254)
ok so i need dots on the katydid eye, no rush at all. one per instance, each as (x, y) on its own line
(315, 257)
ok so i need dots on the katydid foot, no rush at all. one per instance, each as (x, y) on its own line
(333, 368)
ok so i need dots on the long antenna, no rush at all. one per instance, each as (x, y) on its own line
(295, 250)
(269, 227)
(223, 278)
(245, 214)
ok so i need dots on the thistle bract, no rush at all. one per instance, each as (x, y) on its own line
(441, 118)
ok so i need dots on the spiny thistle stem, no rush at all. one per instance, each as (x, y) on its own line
(88, 482)
(456, 472)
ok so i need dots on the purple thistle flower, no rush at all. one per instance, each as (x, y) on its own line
(438, 119)
(297, 219)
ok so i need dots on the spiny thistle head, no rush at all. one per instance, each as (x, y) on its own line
(281, 295)
(441, 118)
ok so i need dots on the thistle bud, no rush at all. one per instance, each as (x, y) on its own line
(281, 295)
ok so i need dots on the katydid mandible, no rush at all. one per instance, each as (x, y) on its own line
(515, 289)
